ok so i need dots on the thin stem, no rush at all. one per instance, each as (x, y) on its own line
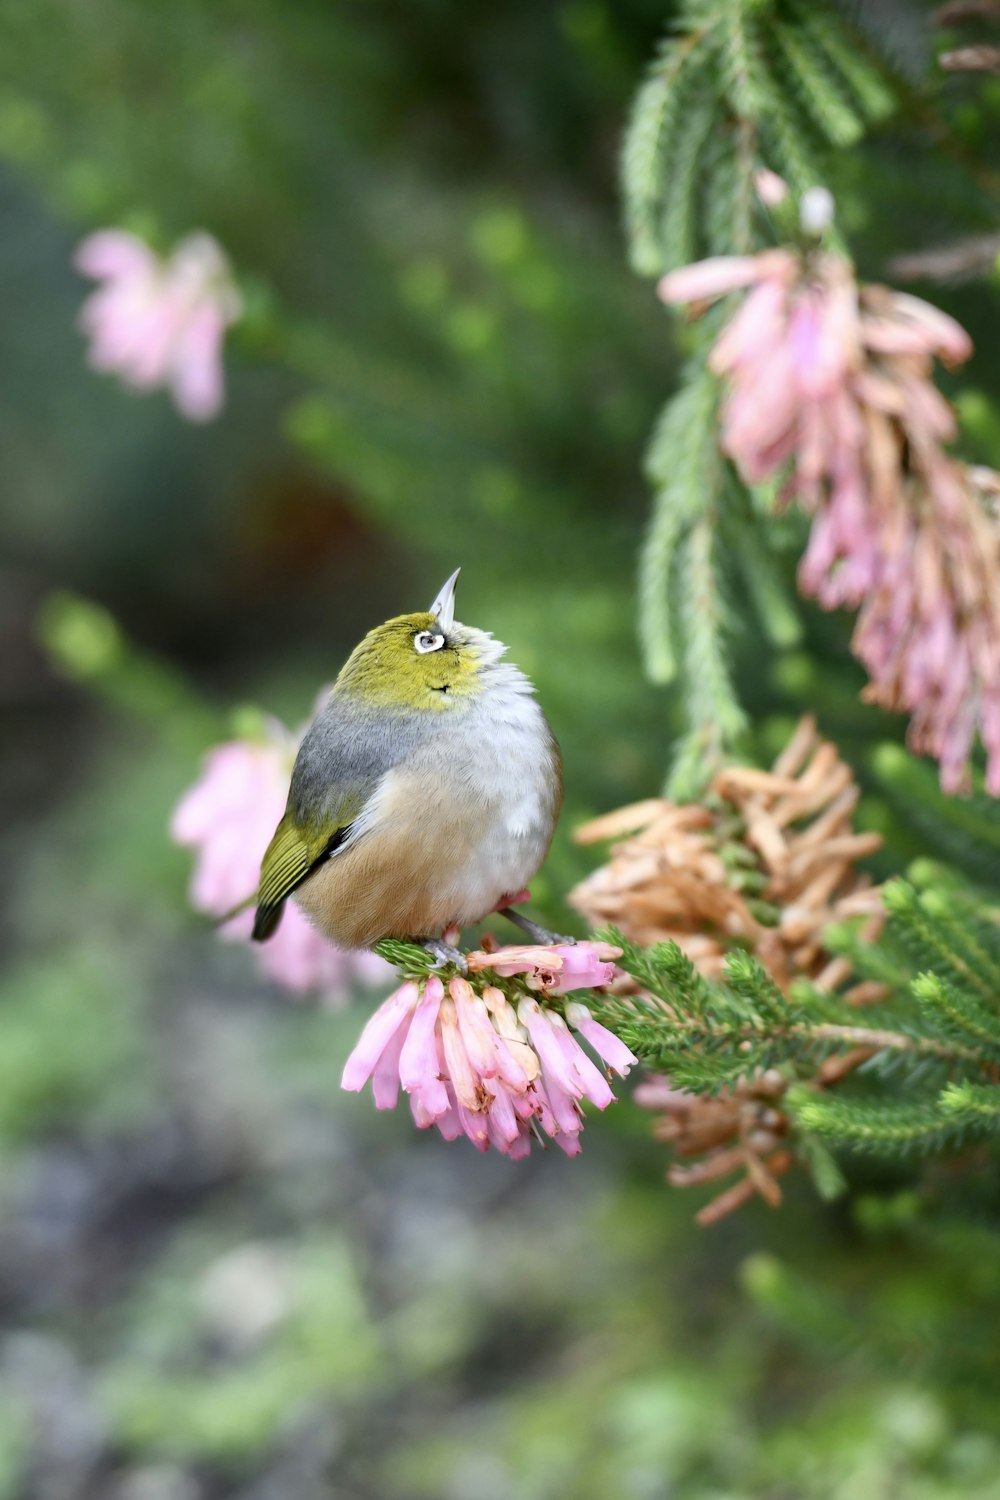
(881, 1041)
(824, 1031)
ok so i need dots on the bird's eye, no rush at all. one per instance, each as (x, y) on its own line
(426, 640)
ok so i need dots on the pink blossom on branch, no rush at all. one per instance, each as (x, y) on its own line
(476, 1063)
(557, 970)
(828, 385)
(807, 355)
(160, 321)
(228, 817)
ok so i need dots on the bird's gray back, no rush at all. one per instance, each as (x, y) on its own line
(346, 751)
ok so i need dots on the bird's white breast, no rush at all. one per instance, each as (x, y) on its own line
(480, 799)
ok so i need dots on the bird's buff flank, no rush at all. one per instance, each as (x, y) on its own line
(425, 792)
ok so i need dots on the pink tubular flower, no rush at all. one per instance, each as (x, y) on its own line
(771, 189)
(473, 1063)
(829, 386)
(557, 969)
(160, 322)
(228, 817)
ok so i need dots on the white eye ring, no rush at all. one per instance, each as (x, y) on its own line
(426, 640)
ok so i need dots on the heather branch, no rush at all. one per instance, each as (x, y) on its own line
(653, 1034)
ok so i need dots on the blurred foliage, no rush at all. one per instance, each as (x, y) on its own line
(219, 1277)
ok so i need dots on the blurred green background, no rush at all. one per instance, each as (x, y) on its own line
(220, 1277)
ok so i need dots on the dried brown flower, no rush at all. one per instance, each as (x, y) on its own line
(981, 58)
(965, 259)
(768, 863)
(956, 11)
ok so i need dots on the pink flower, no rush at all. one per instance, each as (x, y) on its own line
(772, 190)
(160, 322)
(557, 970)
(473, 1063)
(808, 354)
(707, 280)
(829, 386)
(928, 632)
(228, 817)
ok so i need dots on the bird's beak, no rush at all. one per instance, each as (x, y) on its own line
(443, 608)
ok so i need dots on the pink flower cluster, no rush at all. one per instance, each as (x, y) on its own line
(929, 631)
(160, 322)
(557, 969)
(476, 1063)
(228, 817)
(829, 386)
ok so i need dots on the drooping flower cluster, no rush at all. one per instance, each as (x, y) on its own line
(557, 970)
(494, 1066)
(768, 863)
(160, 321)
(829, 385)
(228, 817)
(741, 1130)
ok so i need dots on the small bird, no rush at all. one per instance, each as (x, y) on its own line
(424, 795)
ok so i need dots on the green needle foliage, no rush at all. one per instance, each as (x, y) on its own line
(931, 1079)
(787, 85)
(445, 359)
(738, 85)
(964, 830)
(682, 465)
(683, 612)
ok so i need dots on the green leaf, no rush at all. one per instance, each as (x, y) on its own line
(826, 1174)
(958, 1013)
(684, 464)
(712, 707)
(939, 942)
(647, 157)
(976, 1104)
(818, 92)
(885, 1128)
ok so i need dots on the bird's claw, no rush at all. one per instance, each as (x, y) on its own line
(444, 953)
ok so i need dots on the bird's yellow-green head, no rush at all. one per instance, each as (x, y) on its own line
(420, 661)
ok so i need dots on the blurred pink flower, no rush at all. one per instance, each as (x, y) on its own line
(807, 355)
(474, 1063)
(829, 385)
(228, 817)
(928, 633)
(772, 190)
(557, 969)
(160, 322)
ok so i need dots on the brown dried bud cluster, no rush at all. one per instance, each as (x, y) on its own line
(976, 56)
(742, 1131)
(768, 863)
(982, 58)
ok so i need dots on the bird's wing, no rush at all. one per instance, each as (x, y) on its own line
(335, 773)
(292, 854)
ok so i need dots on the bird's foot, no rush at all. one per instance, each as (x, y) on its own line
(515, 898)
(536, 933)
(445, 953)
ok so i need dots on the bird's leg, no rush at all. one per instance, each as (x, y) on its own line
(536, 933)
(513, 898)
(444, 953)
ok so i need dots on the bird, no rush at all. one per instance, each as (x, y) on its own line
(424, 795)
